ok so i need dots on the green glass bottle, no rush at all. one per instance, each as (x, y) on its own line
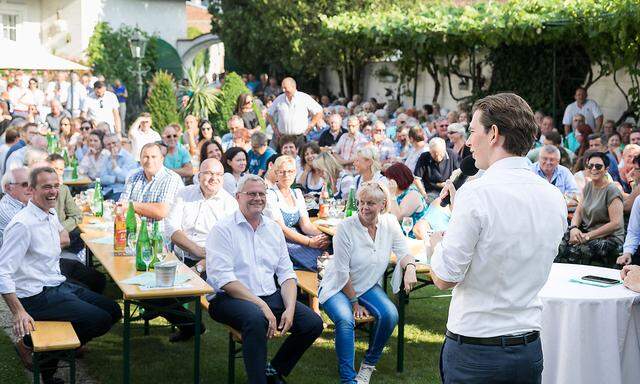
(157, 242)
(97, 204)
(65, 156)
(74, 173)
(143, 247)
(351, 207)
(50, 143)
(131, 224)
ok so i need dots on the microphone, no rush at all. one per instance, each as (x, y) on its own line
(467, 168)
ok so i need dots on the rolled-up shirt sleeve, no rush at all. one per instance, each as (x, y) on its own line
(284, 269)
(15, 245)
(633, 231)
(452, 256)
(220, 266)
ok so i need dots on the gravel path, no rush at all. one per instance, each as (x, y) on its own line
(82, 374)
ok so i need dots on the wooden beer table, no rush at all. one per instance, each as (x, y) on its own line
(122, 268)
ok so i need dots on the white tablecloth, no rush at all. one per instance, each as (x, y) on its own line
(589, 334)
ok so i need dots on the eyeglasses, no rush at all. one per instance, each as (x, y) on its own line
(171, 136)
(253, 195)
(24, 184)
(598, 167)
(288, 172)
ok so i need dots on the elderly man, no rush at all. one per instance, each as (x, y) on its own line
(103, 106)
(330, 137)
(34, 140)
(289, 112)
(436, 165)
(116, 168)
(56, 114)
(177, 158)
(235, 122)
(348, 145)
(586, 107)
(141, 134)
(196, 209)
(441, 126)
(548, 167)
(382, 143)
(154, 188)
(30, 279)
(244, 253)
(259, 154)
(15, 186)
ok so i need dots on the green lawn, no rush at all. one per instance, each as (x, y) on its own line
(11, 370)
(155, 360)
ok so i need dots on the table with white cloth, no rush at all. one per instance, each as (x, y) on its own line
(589, 334)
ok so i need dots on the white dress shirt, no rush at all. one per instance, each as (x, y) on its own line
(195, 215)
(292, 116)
(30, 253)
(360, 258)
(235, 252)
(101, 109)
(503, 236)
(141, 138)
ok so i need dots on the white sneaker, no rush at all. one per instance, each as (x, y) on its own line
(364, 374)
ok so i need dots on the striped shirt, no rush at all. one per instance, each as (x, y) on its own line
(8, 209)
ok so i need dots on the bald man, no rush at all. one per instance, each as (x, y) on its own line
(291, 110)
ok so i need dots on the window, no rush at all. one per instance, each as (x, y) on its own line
(9, 26)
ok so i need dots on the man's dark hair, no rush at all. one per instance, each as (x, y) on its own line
(99, 84)
(54, 157)
(271, 160)
(11, 135)
(33, 176)
(554, 137)
(601, 155)
(595, 136)
(512, 116)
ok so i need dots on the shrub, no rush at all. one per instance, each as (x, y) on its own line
(161, 102)
(203, 100)
(232, 88)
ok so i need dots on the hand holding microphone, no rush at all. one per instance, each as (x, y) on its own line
(467, 168)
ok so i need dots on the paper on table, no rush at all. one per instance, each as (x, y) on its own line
(175, 286)
(148, 279)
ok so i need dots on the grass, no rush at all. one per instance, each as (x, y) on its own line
(154, 360)
(11, 370)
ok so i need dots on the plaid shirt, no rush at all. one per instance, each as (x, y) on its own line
(162, 188)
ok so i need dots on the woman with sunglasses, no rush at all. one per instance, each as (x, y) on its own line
(287, 207)
(235, 165)
(597, 226)
(244, 109)
(205, 133)
(96, 156)
(457, 135)
(82, 145)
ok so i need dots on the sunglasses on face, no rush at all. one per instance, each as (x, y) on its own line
(206, 128)
(171, 136)
(85, 128)
(598, 167)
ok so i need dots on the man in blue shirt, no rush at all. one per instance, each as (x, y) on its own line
(116, 168)
(548, 167)
(121, 93)
(259, 154)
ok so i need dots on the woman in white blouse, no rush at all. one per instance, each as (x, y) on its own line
(367, 166)
(235, 165)
(287, 207)
(93, 161)
(351, 287)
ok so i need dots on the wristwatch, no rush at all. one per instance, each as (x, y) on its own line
(199, 268)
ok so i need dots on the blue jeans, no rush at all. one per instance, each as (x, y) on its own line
(475, 364)
(340, 311)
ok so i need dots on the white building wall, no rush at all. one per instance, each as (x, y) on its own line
(604, 91)
(28, 12)
(61, 27)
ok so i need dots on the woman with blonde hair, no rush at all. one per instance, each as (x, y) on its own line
(339, 179)
(367, 166)
(350, 288)
(287, 207)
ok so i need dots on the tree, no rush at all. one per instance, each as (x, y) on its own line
(203, 100)
(232, 88)
(161, 102)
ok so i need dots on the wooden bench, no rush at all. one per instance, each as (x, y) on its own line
(58, 340)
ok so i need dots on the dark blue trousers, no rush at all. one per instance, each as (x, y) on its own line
(247, 317)
(91, 314)
(479, 364)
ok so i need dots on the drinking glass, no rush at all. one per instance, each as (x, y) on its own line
(131, 244)
(407, 225)
(147, 256)
(161, 256)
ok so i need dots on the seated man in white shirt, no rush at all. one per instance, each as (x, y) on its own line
(244, 252)
(30, 279)
(195, 211)
(142, 134)
(498, 251)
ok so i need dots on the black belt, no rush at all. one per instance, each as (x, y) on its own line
(496, 341)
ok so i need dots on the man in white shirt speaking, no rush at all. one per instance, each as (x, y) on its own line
(497, 252)
(246, 253)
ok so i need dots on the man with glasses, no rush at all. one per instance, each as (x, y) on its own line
(382, 143)
(142, 134)
(234, 123)
(244, 253)
(117, 167)
(30, 279)
(548, 167)
(330, 136)
(34, 139)
(441, 130)
(103, 106)
(15, 186)
(177, 158)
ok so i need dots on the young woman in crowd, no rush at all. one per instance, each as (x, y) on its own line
(597, 226)
(211, 149)
(205, 133)
(311, 178)
(418, 147)
(614, 144)
(339, 179)
(68, 138)
(287, 207)
(235, 165)
(405, 200)
(350, 289)
(94, 159)
(244, 109)
(82, 145)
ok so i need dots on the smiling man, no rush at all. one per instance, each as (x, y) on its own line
(498, 251)
(30, 279)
